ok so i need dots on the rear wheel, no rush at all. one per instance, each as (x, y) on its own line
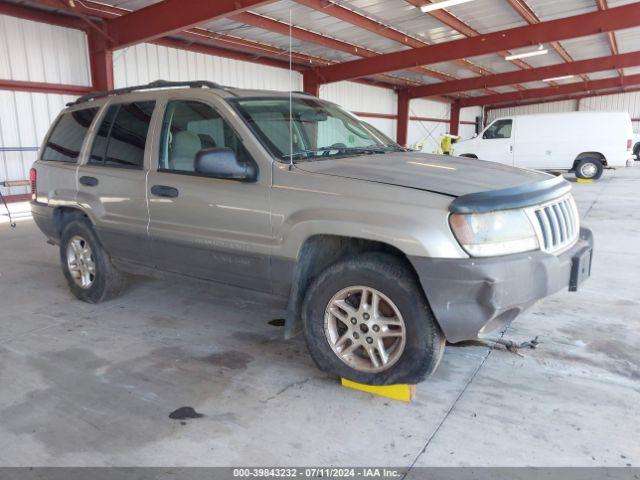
(86, 265)
(589, 168)
(366, 319)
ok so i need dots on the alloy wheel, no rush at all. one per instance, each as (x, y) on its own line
(365, 329)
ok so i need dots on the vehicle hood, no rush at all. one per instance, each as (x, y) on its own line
(453, 176)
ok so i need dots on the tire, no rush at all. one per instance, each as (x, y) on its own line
(106, 282)
(423, 341)
(589, 168)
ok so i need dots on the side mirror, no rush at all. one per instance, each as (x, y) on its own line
(223, 163)
(475, 135)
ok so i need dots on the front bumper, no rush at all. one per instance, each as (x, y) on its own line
(476, 295)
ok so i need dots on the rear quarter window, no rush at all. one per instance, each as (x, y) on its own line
(66, 138)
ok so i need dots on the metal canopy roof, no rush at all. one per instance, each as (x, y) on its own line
(350, 32)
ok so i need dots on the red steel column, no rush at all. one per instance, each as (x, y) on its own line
(454, 118)
(402, 129)
(100, 61)
(311, 83)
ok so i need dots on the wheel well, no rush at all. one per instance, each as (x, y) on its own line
(64, 215)
(636, 149)
(469, 155)
(317, 254)
(596, 155)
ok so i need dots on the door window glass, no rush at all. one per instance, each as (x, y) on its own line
(65, 142)
(189, 127)
(499, 129)
(121, 138)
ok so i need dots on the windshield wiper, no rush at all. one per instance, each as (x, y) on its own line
(341, 151)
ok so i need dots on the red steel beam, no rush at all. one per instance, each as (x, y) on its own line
(578, 96)
(240, 49)
(354, 18)
(535, 74)
(613, 43)
(277, 26)
(42, 16)
(530, 16)
(171, 16)
(454, 118)
(626, 16)
(538, 93)
(402, 127)
(458, 25)
(43, 87)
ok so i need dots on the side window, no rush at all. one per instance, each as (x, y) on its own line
(65, 141)
(498, 129)
(122, 135)
(189, 127)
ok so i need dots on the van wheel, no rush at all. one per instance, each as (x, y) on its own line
(366, 319)
(589, 168)
(86, 265)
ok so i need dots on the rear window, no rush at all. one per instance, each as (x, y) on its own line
(122, 135)
(65, 141)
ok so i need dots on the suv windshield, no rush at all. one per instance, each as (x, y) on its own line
(319, 129)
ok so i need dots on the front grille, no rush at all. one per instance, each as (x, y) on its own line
(557, 224)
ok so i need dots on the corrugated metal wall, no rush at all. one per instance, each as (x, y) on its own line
(357, 97)
(147, 62)
(626, 102)
(36, 52)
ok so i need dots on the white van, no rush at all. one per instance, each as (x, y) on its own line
(581, 142)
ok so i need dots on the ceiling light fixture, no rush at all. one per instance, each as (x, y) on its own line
(557, 79)
(534, 53)
(430, 7)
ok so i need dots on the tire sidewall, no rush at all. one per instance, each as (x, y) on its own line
(98, 289)
(416, 360)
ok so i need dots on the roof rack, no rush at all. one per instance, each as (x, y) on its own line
(148, 86)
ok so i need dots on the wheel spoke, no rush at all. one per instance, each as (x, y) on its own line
(339, 315)
(350, 350)
(364, 300)
(343, 305)
(375, 304)
(372, 356)
(343, 339)
(390, 333)
(384, 356)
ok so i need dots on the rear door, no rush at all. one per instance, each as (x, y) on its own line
(209, 228)
(496, 143)
(112, 181)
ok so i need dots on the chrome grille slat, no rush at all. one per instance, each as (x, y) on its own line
(556, 223)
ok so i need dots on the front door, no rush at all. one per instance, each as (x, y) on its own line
(497, 142)
(205, 227)
(111, 183)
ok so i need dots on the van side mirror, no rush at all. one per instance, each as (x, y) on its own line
(475, 135)
(223, 163)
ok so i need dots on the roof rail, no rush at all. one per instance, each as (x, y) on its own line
(148, 86)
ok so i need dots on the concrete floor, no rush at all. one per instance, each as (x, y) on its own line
(94, 384)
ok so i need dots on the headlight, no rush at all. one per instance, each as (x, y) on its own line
(495, 233)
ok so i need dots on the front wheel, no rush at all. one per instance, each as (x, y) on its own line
(366, 319)
(589, 168)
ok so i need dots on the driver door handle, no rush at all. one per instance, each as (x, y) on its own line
(164, 191)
